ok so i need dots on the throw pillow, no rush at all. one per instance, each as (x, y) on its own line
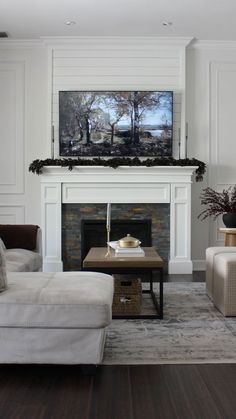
(20, 236)
(3, 273)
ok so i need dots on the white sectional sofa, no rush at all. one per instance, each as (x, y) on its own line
(55, 318)
(52, 318)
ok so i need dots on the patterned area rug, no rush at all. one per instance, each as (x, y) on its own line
(192, 331)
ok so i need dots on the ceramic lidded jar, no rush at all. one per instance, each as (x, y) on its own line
(129, 241)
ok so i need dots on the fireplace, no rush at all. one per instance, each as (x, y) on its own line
(125, 185)
(84, 226)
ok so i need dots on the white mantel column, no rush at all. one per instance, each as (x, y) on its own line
(180, 229)
(51, 226)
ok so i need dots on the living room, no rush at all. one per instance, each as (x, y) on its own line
(188, 50)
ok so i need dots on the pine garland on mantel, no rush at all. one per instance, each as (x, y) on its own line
(37, 165)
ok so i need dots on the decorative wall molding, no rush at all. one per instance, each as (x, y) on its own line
(212, 44)
(222, 83)
(9, 44)
(119, 63)
(12, 214)
(189, 42)
(12, 118)
(116, 41)
(88, 41)
(222, 87)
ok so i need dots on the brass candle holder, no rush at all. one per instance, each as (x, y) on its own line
(108, 253)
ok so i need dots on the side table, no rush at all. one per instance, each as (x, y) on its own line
(230, 236)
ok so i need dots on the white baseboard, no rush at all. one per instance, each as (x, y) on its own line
(199, 265)
(52, 266)
(180, 267)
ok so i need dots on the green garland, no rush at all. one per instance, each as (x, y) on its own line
(37, 165)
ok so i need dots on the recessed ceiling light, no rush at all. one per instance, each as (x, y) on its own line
(165, 23)
(69, 22)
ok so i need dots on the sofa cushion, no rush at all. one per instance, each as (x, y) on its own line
(2, 244)
(3, 274)
(62, 299)
(19, 235)
(22, 260)
(224, 291)
(211, 253)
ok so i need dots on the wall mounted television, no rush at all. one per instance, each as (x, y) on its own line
(115, 123)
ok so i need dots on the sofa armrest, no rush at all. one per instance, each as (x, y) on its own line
(39, 248)
(21, 236)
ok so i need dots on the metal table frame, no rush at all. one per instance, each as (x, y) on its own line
(128, 270)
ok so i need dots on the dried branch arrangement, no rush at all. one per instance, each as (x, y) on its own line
(218, 203)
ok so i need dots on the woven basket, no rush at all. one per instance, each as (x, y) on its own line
(128, 286)
(127, 297)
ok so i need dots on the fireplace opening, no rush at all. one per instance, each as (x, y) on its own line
(93, 232)
(125, 218)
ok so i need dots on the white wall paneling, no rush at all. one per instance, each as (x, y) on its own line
(35, 71)
(12, 114)
(222, 122)
(12, 133)
(12, 214)
(23, 123)
(222, 132)
(120, 63)
(211, 101)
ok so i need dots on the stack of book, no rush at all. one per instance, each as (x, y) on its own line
(122, 252)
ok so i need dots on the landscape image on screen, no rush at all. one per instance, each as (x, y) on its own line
(129, 123)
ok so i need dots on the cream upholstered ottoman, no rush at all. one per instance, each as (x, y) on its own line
(224, 290)
(56, 318)
(211, 253)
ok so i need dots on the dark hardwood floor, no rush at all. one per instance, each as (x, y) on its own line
(196, 276)
(118, 392)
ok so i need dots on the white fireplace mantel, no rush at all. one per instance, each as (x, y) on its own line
(97, 184)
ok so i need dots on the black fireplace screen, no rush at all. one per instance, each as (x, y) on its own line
(93, 232)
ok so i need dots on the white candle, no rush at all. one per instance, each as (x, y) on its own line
(108, 216)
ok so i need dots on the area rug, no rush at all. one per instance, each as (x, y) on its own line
(192, 331)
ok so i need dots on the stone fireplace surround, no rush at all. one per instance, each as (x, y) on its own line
(84, 225)
(95, 184)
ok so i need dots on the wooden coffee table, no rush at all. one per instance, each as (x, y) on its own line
(97, 261)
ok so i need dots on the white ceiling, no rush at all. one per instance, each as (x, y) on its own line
(202, 19)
